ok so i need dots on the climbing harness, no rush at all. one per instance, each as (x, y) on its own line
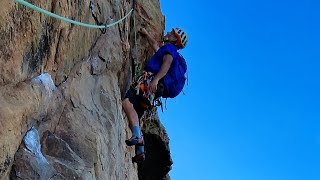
(141, 83)
(31, 6)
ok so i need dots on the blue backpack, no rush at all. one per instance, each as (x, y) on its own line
(175, 79)
(173, 82)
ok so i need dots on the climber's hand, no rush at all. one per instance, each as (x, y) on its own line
(153, 86)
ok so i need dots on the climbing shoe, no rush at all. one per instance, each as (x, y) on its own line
(134, 140)
(138, 158)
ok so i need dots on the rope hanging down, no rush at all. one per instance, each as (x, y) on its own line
(69, 20)
(134, 65)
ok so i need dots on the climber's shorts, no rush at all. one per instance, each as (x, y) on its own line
(143, 100)
(139, 103)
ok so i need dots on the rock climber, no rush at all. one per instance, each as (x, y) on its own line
(140, 95)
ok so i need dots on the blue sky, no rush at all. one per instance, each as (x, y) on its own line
(251, 109)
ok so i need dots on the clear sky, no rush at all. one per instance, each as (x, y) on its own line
(251, 110)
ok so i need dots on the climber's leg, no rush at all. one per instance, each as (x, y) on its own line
(132, 107)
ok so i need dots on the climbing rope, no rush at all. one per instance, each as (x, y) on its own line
(69, 20)
(134, 70)
(134, 27)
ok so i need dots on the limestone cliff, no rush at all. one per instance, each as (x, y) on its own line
(61, 87)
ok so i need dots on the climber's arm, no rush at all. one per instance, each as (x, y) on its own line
(151, 40)
(167, 60)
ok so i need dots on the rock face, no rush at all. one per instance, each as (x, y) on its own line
(61, 87)
(158, 162)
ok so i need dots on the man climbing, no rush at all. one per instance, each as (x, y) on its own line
(152, 84)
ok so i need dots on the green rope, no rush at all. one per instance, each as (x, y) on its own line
(69, 20)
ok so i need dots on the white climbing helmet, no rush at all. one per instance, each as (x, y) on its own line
(182, 37)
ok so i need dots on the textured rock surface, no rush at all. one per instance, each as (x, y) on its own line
(158, 162)
(61, 87)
